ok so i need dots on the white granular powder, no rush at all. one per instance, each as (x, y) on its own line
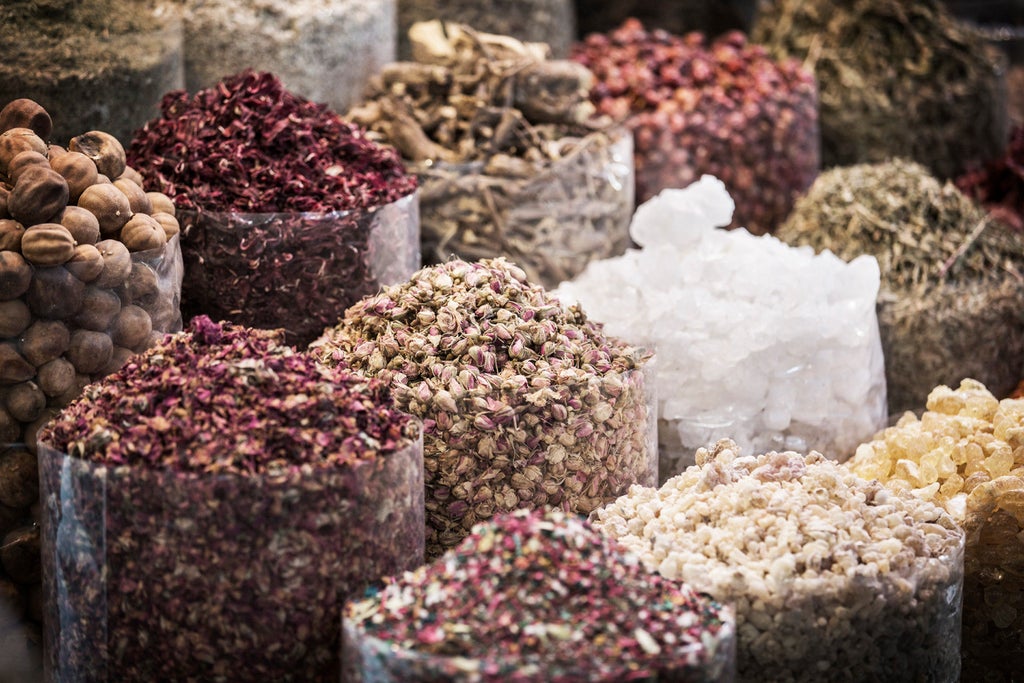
(833, 577)
(324, 50)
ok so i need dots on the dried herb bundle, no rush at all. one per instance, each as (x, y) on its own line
(511, 160)
(724, 108)
(951, 303)
(896, 79)
(525, 403)
(552, 22)
(537, 596)
(999, 184)
(208, 509)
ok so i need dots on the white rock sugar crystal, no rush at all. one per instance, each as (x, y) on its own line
(766, 344)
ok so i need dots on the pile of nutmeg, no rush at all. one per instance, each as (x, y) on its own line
(90, 273)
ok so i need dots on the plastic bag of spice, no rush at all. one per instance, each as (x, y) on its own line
(525, 403)
(511, 160)
(211, 525)
(296, 271)
(100, 64)
(536, 596)
(723, 108)
(291, 213)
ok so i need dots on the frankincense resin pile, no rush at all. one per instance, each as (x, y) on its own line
(833, 577)
(967, 452)
(534, 596)
(524, 402)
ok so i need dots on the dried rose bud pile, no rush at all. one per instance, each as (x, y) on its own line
(208, 509)
(511, 159)
(829, 573)
(966, 452)
(525, 402)
(291, 213)
(534, 596)
(726, 109)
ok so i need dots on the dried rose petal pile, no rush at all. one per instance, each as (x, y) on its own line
(223, 398)
(726, 109)
(525, 403)
(247, 144)
(535, 596)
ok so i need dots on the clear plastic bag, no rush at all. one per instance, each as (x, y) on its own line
(156, 575)
(296, 271)
(550, 219)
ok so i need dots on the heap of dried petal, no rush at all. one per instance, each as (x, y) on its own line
(534, 596)
(247, 144)
(525, 402)
(224, 398)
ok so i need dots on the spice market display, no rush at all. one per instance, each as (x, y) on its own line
(90, 273)
(524, 402)
(534, 596)
(833, 577)
(208, 509)
(966, 452)
(951, 302)
(725, 109)
(511, 159)
(289, 213)
(769, 345)
(94, 64)
(323, 50)
(462, 285)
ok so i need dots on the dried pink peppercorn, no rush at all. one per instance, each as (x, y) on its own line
(725, 109)
(208, 508)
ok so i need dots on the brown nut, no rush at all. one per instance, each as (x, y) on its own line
(10, 430)
(90, 351)
(86, 264)
(142, 284)
(54, 293)
(47, 244)
(26, 113)
(20, 553)
(54, 151)
(81, 381)
(118, 359)
(104, 149)
(11, 232)
(14, 368)
(82, 224)
(25, 401)
(5, 195)
(132, 327)
(78, 170)
(161, 202)
(43, 341)
(57, 376)
(19, 485)
(117, 264)
(39, 196)
(15, 275)
(14, 141)
(132, 175)
(137, 199)
(169, 223)
(108, 204)
(99, 306)
(14, 318)
(142, 233)
(22, 161)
